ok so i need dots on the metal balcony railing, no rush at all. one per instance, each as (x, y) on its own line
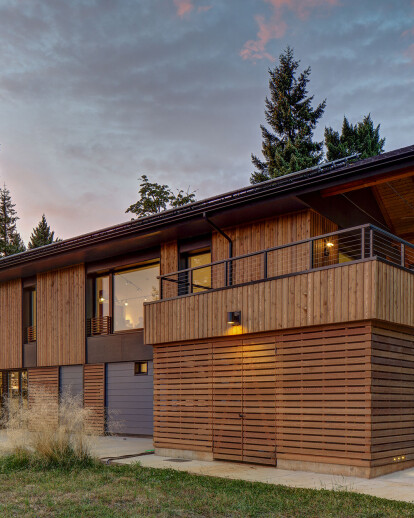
(344, 246)
(99, 326)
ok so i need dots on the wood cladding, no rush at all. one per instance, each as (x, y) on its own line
(323, 394)
(94, 397)
(392, 397)
(298, 394)
(169, 264)
(61, 324)
(11, 338)
(43, 388)
(340, 294)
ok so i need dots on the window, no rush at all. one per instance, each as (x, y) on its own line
(131, 289)
(17, 386)
(101, 297)
(201, 278)
(29, 314)
(141, 368)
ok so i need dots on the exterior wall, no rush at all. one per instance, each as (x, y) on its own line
(94, 396)
(168, 264)
(392, 398)
(11, 338)
(341, 400)
(129, 399)
(61, 317)
(238, 399)
(43, 388)
(339, 294)
(71, 380)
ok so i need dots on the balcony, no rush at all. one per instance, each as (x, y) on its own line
(352, 274)
(99, 326)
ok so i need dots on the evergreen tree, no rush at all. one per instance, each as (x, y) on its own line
(361, 138)
(10, 240)
(41, 235)
(154, 198)
(288, 146)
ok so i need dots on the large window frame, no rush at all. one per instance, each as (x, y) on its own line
(187, 283)
(110, 327)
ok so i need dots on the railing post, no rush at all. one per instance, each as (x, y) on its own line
(161, 290)
(191, 281)
(363, 243)
(402, 254)
(265, 266)
(231, 272)
(311, 254)
(371, 242)
(226, 267)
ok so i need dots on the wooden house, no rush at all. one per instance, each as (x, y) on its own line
(273, 324)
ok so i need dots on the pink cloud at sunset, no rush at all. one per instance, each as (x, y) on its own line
(185, 7)
(275, 27)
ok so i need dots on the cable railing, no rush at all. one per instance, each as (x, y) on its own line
(343, 246)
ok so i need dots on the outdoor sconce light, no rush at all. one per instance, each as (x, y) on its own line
(234, 318)
(328, 245)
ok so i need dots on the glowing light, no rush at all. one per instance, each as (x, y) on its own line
(329, 244)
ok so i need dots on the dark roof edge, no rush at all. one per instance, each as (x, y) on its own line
(306, 180)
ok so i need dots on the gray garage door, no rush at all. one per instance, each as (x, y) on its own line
(129, 399)
(71, 380)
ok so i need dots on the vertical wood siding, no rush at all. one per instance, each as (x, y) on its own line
(94, 396)
(11, 341)
(392, 396)
(341, 294)
(168, 264)
(61, 325)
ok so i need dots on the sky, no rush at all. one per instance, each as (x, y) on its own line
(95, 93)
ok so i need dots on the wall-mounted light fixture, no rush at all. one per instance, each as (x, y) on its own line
(328, 246)
(234, 318)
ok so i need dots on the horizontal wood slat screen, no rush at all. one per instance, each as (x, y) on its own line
(61, 326)
(239, 400)
(392, 397)
(183, 397)
(323, 395)
(94, 396)
(43, 388)
(11, 338)
(341, 294)
(244, 400)
(99, 326)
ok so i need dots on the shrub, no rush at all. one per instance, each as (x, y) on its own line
(46, 431)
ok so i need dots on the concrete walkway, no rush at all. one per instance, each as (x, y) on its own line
(396, 486)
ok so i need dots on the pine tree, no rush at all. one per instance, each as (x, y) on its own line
(289, 145)
(41, 235)
(361, 138)
(10, 240)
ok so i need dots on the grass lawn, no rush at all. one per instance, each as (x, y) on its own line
(117, 491)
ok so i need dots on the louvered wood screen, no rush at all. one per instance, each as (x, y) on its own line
(94, 396)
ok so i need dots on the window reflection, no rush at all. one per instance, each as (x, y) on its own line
(131, 289)
(102, 296)
(201, 278)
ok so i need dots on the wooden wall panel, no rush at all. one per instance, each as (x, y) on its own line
(392, 397)
(94, 397)
(395, 294)
(43, 388)
(61, 326)
(323, 395)
(11, 340)
(340, 294)
(168, 264)
(183, 397)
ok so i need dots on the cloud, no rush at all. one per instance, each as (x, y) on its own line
(276, 27)
(183, 7)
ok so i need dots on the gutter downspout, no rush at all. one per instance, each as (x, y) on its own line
(229, 270)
